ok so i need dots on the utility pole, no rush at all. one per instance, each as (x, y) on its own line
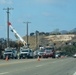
(27, 30)
(7, 24)
(37, 39)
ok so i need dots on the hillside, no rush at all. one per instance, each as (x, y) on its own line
(43, 40)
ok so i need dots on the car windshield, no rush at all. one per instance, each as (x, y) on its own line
(48, 48)
(57, 53)
(8, 51)
(41, 50)
(24, 50)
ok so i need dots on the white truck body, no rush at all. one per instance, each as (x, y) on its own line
(25, 53)
(10, 52)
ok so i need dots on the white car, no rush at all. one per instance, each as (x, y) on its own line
(74, 55)
(57, 55)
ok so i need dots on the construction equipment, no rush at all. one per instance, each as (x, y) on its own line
(17, 35)
(25, 51)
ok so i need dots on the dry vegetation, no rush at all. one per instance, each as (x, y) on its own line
(47, 40)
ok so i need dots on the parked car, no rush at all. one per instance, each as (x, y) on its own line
(57, 54)
(39, 53)
(74, 55)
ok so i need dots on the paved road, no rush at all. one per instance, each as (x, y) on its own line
(64, 66)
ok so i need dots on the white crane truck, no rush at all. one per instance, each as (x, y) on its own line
(24, 52)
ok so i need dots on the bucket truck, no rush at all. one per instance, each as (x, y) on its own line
(13, 30)
(25, 52)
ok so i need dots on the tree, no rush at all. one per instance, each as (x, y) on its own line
(31, 34)
(41, 33)
(47, 34)
(36, 32)
(70, 50)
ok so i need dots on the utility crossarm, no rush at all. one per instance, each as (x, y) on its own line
(21, 39)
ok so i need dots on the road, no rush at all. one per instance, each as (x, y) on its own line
(62, 66)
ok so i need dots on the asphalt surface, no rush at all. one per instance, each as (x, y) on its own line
(62, 66)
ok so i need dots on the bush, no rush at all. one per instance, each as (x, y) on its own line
(70, 50)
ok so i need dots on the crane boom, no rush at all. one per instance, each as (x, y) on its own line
(21, 39)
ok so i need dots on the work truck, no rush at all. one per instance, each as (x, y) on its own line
(24, 51)
(11, 53)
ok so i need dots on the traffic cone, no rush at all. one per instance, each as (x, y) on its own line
(62, 56)
(6, 58)
(38, 58)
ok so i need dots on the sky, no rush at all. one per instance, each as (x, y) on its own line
(44, 15)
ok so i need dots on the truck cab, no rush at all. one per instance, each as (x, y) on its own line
(26, 53)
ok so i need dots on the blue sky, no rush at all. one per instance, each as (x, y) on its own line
(44, 15)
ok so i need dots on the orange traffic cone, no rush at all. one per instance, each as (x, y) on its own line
(6, 58)
(38, 58)
(62, 56)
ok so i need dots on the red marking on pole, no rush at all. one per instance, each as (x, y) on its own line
(9, 23)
